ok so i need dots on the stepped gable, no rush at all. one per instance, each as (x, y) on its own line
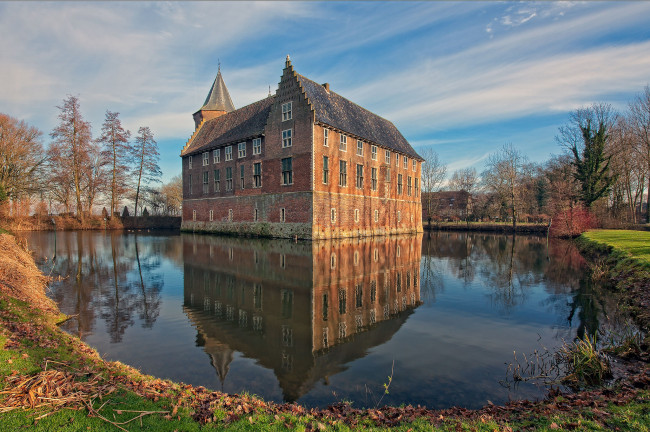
(235, 126)
(336, 111)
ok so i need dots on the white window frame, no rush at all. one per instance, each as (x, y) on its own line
(373, 152)
(286, 111)
(257, 146)
(211, 215)
(359, 148)
(228, 153)
(376, 218)
(415, 164)
(333, 215)
(326, 137)
(406, 162)
(356, 215)
(216, 156)
(343, 143)
(387, 157)
(287, 138)
(241, 150)
(206, 158)
(189, 162)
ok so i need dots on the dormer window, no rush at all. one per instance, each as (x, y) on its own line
(286, 111)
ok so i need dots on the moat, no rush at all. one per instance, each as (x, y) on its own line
(326, 321)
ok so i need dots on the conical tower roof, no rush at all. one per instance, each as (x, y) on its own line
(218, 99)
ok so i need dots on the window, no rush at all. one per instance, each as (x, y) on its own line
(206, 188)
(217, 180)
(286, 138)
(373, 178)
(211, 215)
(228, 179)
(343, 145)
(387, 157)
(189, 162)
(408, 186)
(241, 176)
(359, 176)
(287, 171)
(229, 153)
(333, 216)
(216, 156)
(257, 146)
(343, 173)
(387, 174)
(359, 148)
(286, 111)
(206, 158)
(241, 150)
(193, 215)
(342, 301)
(376, 218)
(373, 152)
(399, 184)
(257, 174)
(283, 215)
(255, 218)
(406, 162)
(415, 164)
(230, 220)
(326, 169)
(326, 137)
(417, 187)
(356, 217)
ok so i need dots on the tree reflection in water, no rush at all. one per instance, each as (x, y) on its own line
(110, 276)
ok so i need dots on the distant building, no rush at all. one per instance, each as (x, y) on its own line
(445, 205)
(304, 163)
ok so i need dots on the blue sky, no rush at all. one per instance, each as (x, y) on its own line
(462, 78)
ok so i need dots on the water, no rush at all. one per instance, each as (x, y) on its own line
(327, 321)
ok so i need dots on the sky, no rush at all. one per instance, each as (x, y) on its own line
(461, 78)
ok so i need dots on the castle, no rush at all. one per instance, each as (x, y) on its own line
(303, 163)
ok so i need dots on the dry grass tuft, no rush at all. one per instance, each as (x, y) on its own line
(20, 278)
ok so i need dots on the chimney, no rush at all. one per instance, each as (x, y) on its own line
(327, 87)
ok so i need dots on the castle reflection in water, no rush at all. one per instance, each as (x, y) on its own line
(303, 310)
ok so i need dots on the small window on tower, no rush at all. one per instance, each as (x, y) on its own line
(286, 111)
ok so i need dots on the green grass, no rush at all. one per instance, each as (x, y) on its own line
(635, 243)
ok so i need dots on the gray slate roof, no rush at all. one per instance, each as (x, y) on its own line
(335, 110)
(218, 99)
(238, 125)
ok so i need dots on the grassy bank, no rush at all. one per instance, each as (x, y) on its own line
(50, 380)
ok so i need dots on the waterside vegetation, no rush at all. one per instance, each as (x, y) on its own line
(51, 380)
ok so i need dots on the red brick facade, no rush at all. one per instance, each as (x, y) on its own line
(296, 202)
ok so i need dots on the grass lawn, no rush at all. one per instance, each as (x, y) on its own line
(635, 243)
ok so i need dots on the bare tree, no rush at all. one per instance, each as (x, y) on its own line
(465, 179)
(506, 172)
(640, 120)
(432, 174)
(146, 156)
(21, 158)
(70, 148)
(116, 153)
(628, 166)
(172, 195)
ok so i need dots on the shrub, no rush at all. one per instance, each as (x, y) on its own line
(573, 222)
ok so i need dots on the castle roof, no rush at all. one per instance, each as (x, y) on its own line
(218, 99)
(238, 125)
(332, 109)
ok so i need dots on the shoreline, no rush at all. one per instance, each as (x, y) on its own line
(33, 331)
